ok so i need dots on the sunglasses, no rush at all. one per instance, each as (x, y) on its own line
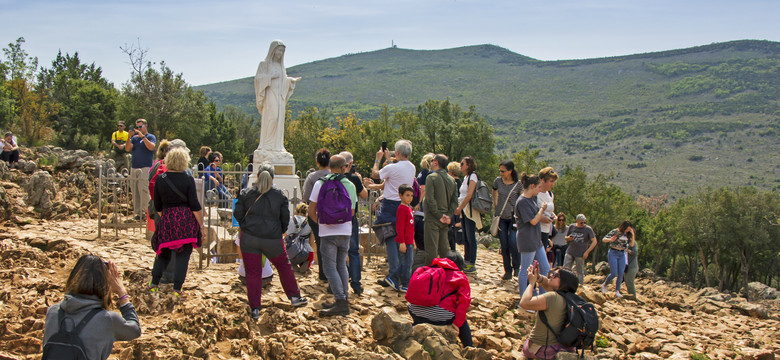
(139, 126)
(501, 171)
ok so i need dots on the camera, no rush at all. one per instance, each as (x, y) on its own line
(353, 169)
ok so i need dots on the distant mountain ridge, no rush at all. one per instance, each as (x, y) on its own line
(641, 114)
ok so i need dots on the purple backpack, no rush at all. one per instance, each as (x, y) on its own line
(334, 206)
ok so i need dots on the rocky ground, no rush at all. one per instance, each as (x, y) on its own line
(667, 320)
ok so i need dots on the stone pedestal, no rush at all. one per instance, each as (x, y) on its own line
(284, 172)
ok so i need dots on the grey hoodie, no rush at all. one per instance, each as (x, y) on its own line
(100, 332)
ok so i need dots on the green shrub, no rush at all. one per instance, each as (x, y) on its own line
(602, 342)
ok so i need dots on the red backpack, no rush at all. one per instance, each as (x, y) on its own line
(426, 287)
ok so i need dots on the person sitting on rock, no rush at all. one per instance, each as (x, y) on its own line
(10, 149)
(542, 344)
(452, 307)
(88, 293)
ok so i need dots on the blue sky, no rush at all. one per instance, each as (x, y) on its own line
(212, 41)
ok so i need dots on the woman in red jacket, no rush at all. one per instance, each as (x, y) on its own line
(451, 310)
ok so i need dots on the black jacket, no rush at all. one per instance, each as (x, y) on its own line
(267, 218)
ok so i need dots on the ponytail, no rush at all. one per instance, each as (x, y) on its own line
(265, 178)
(528, 180)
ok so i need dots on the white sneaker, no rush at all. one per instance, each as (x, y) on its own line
(618, 295)
(604, 288)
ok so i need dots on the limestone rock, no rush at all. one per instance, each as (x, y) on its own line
(602, 268)
(646, 273)
(751, 309)
(439, 340)
(759, 291)
(68, 161)
(41, 192)
(473, 353)
(28, 167)
(572, 356)
(707, 291)
(648, 356)
(4, 170)
(756, 354)
(591, 296)
(411, 350)
(388, 326)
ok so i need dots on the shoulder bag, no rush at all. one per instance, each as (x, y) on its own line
(497, 219)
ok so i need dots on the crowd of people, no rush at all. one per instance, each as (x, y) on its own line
(418, 218)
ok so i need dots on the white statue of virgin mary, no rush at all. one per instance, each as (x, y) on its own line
(272, 90)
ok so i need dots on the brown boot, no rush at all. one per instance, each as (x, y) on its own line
(340, 308)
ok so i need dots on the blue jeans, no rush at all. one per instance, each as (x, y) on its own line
(400, 264)
(526, 260)
(469, 241)
(334, 260)
(354, 255)
(617, 266)
(388, 210)
(507, 237)
(560, 253)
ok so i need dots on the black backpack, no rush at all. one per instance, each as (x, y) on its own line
(579, 326)
(66, 344)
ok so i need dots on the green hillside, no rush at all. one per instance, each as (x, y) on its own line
(664, 122)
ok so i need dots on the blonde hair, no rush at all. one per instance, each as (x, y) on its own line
(204, 151)
(425, 163)
(454, 168)
(177, 159)
(265, 178)
(547, 174)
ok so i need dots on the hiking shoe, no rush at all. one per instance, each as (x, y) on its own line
(507, 275)
(392, 283)
(383, 282)
(179, 294)
(297, 301)
(340, 308)
(255, 313)
(403, 288)
(469, 269)
(328, 304)
(358, 290)
(153, 288)
(604, 287)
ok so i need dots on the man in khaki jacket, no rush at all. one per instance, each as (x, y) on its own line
(439, 206)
